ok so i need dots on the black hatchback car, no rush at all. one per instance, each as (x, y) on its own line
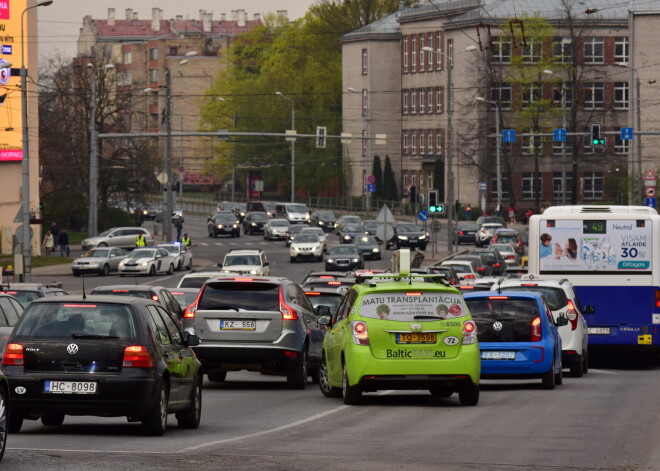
(408, 235)
(102, 356)
(324, 219)
(223, 223)
(254, 223)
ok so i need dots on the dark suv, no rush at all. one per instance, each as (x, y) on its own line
(259, 323)
(408, 235)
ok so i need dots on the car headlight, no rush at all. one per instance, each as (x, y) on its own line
(317, 247)
(321, 223)
(219, 226)
(376, 249)
(234, 226)
(253, 272)
(403, 237)
(355, 260)
(93, 265)
(331, 260)
(144, 264)
(422, 237)
(254, 223)
(347, 237)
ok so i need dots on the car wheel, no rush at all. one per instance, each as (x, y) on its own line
(53, 419)
(170, 270)
(324, 382)
(238, 234)
(423, 247)
(152, 270)
(296, 376)
(468, 395)
(351, 395)
(155, 422)
(106, 270)
(103, 244)
(191, 417)
(217, 377)
(548, 379)
(576, 368)
(14, 421)
(3, 421)
(293, 259)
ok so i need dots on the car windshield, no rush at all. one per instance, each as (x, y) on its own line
(142, 253)
(278, 223)
(295, 229)
(240, 296)
(315, 230)
(407, 228)
(259, 217)
(235, 260)
(296, 208)
(194, 281)
(270, 206)
(77, 320)
(105, 233)
(502, 247)
(331, 300)
(306, 238)
(354, 228)
(404, 307)
(96, 253)
(555, 296)
(352, 219)
(344, 250)
(325, 215)
(174, 249)
(503, 320)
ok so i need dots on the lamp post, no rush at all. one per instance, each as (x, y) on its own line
(92, 218)
(233, 151)
(293, 145)
(563, 144)
(26, 239)
(366, 146)
(498, 138)
(450, 140)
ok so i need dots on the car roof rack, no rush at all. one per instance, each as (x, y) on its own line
(372, 278)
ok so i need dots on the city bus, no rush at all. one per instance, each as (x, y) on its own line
(611, 255)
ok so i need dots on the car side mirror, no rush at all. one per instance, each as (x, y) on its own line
(561, 321)
(266, 264)
(589, 310)
(324, 320)
(322, 310)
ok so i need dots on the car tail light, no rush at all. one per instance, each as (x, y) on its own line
(468, 277)
(288, 314)
(496, 265)
(657, 298)
(510, 257)
(312, 293)
(154, 298)
(469, 333)
(498, 297)
(572, 315)
(480, 269)
(334, 283)
(461, 233)
(360, 333)
(137, 356)
(189, 313)
(13, 355)
(243, 279)
(536, 330)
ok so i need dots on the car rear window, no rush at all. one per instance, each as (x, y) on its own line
(555, 297)
(412, 306)
(77, 320)
(241, 295)
(503, 320)
(23, 297)
(507, 239)
(193, 282)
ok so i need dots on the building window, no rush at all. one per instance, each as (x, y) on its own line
(429, 100)
(531, 94)
(153, 75)
(128, 57)
(621, 50)
(364, 143)
(422, 142)
(364, 62)
(429, 179)
(405, 101)
(430, 54)
(450, 53)
(531, 53)
(438, 141)
(153, 53)
(562, 50)
(405, 142)
(565, 92)
(429, 141)
(501, 94)
(621, 95)
(405, 178)
(365, 102)
(594, 95)
(438, 51)
(422, 101)
(594, 48)
(620, 145)
(413, 177)
(557, 188)
(501, 50)
(413, 144)
(413, 65)
(505, 186)
(593, 185)
(174, 51)
(422, 53)
(528, 186)
(438, 99)
(413, 101)
(405, 54)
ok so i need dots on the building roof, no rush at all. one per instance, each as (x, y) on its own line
(385, 27)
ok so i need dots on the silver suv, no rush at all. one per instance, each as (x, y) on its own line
(246, 262)
(264, 324)
(563, 302)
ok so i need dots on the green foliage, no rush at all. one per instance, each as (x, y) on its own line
(377, 172)
(439, 178)
(390, 192)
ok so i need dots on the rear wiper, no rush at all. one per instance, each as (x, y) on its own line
(94, 336)
(429, 317)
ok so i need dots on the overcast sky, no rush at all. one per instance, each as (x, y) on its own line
(59, 23)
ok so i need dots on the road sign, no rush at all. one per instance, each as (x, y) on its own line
(371, 179)
(626, 134)
(649, 183)
(509, 135)
(559, 135)
(423, 215)
(650, 202)
(385, 231)
(483, 186)
(371, 188)
(650, 175)
(650, 191)
(385, 215)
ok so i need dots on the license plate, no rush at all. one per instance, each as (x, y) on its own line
(498, 355)
(238, 325)
(70, 387)
(599, 330)
(416, 337)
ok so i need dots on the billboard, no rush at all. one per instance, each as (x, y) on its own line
(11, 127)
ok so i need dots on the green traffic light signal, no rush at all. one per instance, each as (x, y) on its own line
(600, 141)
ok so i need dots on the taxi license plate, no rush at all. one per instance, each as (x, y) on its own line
(237, 325)
(416, 337)
(70, 387)
(598, 330)
(498, 355)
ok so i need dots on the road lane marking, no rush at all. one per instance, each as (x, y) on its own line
(605, 372)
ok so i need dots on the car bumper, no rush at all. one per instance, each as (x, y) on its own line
(528, 362)
(341, 266)
(265, 358)
(134, 271)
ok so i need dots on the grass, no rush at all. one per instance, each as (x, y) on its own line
(37, 262)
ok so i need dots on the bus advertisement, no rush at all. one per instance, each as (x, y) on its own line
(608, 253)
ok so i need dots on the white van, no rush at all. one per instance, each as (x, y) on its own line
(295, 213)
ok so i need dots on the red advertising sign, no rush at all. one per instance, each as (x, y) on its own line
(4, 9)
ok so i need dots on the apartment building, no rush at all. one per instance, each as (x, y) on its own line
(451, 74)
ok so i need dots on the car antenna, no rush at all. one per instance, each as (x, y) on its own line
(499, 286)
(84, 296)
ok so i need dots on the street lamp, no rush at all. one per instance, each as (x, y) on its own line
(293, 145)
(367, 145)
(27, 242)
(498, 138)
(563, 144)
(92, 218)
(631, 158)
(450, 139)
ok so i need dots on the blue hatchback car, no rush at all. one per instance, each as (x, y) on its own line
(518, 336)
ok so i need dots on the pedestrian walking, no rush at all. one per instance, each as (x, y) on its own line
(63, 242)
(56, 234)
(179, 227)
(512, 213)
(468, 212)
(49, 243)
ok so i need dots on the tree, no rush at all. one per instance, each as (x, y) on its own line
(377, 172)
(390, 192)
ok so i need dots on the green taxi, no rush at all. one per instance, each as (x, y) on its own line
(399, 332)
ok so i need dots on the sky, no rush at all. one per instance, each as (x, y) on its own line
(59, 23)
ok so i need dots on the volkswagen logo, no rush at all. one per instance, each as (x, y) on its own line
(72, 348)
(497, 326)
(20, 390)
(416, 326)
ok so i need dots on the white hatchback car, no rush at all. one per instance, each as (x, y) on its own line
(306, 246)
(246, 262)
(183, 255)
(563, 302)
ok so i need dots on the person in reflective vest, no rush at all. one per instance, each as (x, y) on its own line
(185, 240)
(140, 241)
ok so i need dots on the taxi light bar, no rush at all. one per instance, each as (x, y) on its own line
(13, 355)
(137, 356)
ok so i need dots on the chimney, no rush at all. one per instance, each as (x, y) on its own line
(201, 15)
(111, 16)
(178, 17)
(207, 22)
(129, 14)
(135, 16)
(257, 17)
(241, 18)
(223, 16)
(233, 15)
(155, 19)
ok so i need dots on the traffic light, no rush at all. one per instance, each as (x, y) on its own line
(435, 207)
(597, 139)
